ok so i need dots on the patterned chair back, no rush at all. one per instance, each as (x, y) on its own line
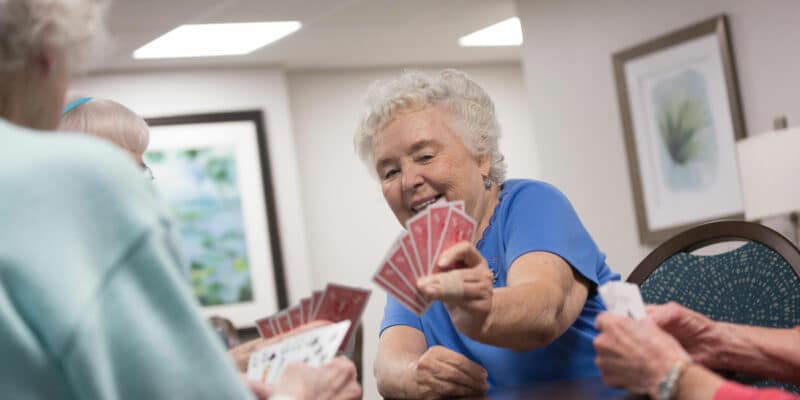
(755, 284)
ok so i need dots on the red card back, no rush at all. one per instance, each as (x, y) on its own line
(343, 302)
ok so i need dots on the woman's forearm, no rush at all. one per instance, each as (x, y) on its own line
(527, 316)
(767, 352)
(697, 383)
(394, 378)
(398, 352)
(393, 375)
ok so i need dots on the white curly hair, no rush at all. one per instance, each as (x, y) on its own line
(471, 109)
(109, 120)
(29, 26)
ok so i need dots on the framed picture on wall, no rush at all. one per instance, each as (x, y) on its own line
(681, 116)
(213, 171)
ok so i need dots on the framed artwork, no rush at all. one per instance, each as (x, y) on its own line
(681, 116)
(213, 172)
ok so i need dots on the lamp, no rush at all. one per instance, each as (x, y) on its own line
(769, 166)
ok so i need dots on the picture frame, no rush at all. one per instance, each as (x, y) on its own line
(681, 116)
(213, 172)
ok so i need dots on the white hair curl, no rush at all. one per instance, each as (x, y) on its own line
(471, 109)
(29, 26)
(109, 120)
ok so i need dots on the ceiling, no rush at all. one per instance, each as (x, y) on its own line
(335, 33)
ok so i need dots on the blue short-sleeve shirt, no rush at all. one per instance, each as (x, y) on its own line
(530, 216)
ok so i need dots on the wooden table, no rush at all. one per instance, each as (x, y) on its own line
(578, 388)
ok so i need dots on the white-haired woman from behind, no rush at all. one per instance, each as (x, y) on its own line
(93, 303)
(108, 120)
(522, 308)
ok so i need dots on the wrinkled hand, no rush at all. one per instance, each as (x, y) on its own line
(699, 335)
(241, 353)
(465, 292)
(333, 381)
(635, 355)
(441, 373)
(261, 390)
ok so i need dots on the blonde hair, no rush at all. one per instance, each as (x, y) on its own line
(471, 109)
(109, 120)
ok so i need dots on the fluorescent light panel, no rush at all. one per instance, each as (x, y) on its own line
(206, 40)
(503, 33)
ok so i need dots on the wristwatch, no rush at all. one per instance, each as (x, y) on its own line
(666, 388)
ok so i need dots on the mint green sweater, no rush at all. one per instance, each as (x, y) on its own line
(93, 304)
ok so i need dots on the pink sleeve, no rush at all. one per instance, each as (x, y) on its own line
(735, 391)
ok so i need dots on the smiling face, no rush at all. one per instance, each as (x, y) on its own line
(419, 159)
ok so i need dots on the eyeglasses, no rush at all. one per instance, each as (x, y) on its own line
(147, 172)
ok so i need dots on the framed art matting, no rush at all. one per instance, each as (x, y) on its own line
(681, 116)
(213, 171)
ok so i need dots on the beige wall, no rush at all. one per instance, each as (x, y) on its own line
(568, 71)
(197, 91)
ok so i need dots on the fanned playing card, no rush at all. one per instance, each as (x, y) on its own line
(411, 254)
(265, 328)
(284, 321)
(417, 228)
(315, 347)
(458, 228)
(390, 280)
(438, 220)
(398, 259)
(343, 303)
(316, 297)
(416, 252)
(296, 315)
(307, 304)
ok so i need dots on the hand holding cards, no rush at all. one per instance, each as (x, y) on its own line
(314, 347)
(337, 303)
(623, 298)
(342, 305)
(416, 252)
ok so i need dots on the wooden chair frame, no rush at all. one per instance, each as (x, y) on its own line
(716, 232)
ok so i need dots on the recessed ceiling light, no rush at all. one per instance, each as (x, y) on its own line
(206, 40)
(503, 33)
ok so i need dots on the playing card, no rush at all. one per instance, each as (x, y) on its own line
(261, 364)
(265, 328)
(343, 302)
(295, 315)
(284, 321)
(436, 224)
(411, 255)
(317, 346)
(316, 297)
(418, 231)
(406, 299)
(392, 276)
(459, 227)
(307, 304)
(314, 347)
(397, 258)
(623, 298)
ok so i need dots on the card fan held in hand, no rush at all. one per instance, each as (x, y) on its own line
(414, 254)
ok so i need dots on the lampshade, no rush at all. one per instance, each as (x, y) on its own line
(769, 167)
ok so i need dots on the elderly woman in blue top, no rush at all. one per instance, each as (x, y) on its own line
(523, 308)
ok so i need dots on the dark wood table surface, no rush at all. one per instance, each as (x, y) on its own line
(578, 388)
